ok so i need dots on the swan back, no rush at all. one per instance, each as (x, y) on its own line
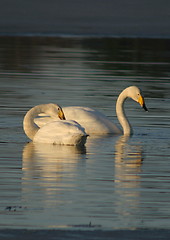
(61, 132)
(93, 121)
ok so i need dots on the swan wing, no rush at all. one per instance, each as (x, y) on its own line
(61, 132)
(92, 120)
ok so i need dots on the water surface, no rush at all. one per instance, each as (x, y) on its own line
(113, 182)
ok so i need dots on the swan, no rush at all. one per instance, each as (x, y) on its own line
(61, 132)
(97, 123)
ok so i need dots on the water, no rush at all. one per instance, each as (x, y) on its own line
(113, 182)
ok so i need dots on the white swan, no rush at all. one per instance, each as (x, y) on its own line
(95, 122)
(55, 132)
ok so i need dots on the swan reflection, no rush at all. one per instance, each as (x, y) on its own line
(50, 168)
(128, 162)
(48, 159)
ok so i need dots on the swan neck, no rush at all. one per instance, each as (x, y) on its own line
(30, 128)
(127, 129)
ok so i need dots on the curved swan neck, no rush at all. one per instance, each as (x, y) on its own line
(29, 126)
(127, 129)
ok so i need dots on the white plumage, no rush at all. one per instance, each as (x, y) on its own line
(61, 132)
(95, 122)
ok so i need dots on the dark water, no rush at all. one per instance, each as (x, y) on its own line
(113, 182)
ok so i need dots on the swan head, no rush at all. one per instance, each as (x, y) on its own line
(55, 109)
(136, 94)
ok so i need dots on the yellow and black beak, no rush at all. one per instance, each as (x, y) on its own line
(141, 101)
(61, 115)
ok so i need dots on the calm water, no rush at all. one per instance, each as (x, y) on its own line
(113, 182)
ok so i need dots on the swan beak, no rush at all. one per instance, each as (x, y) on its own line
(141, 101)
(61, 115)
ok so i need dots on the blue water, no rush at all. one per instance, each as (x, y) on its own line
(113, 182)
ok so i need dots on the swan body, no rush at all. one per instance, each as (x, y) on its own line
(95, 122)
(56, 131)
(92, 120)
